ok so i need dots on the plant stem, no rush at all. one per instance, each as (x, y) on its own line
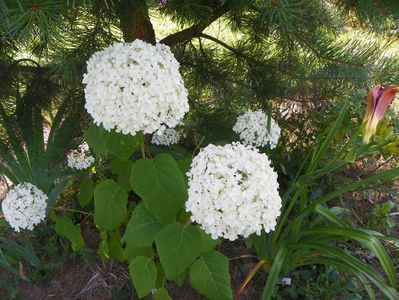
(77, 211)
(143, 149)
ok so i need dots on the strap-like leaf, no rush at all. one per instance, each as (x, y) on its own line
(367, 240)
(274, 273)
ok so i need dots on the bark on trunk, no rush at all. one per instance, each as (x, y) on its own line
(135, 22)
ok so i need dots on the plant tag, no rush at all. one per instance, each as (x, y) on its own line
(285, 281)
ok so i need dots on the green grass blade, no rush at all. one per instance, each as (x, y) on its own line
(367, 240)
(326, 213)
(274, 273)
(319, 153)
(386, 175)
(26, 252)
(16, 143)
(355, 264)
(342, 265)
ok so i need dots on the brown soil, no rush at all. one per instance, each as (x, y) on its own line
(100, 281)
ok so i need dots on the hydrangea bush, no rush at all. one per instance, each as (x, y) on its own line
(165, 212)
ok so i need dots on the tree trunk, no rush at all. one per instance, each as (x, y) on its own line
(135, 21)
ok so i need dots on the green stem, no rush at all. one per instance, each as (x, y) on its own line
(143, 148)
(78, 211)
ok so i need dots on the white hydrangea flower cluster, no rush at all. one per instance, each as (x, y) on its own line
(79, 158)
(252, 127)
(167, 137)
(395, 105)
(24, 206)
(135, 87)
(233, 191)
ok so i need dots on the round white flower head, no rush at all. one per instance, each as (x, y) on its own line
(252, 127)
(135, 87)
(233, 191)
(24, 206)
(79, 158)
(167, 137)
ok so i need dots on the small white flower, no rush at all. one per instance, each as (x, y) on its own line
(79, 159)
(24, 206)
(135, 87)
(167, 137)
(252, 127)
(233, 191)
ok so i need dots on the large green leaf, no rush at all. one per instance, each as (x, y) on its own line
(161, 294)
(123, 145)
(144, 274)
(160, 184)
(210, 276)
(110, 202)
(86, 191)
(142, 227)
(95, 137)
(131, 252)
(207, 241)
(115, 246)
(65, 227)
(120, 145)
(122, 168)
(178, 246)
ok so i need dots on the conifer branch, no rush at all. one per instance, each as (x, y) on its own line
(195, 30)
(322, 56)
(237, 52)
(16, 65)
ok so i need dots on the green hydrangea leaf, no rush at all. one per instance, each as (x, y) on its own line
(115, 246)
(123, 145)
(95, 137)
(141, 228)
(210, 276)
(208, 242)
(110, 201)
(161, 294)
(131, 252)
(143, 273)
(178, 246)
(86, 191)
(159, 182)
(64, 227)
(122, 168)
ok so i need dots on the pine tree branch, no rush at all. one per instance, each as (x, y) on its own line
(320, 55)
(195, 30)
(16, 65)
(237, 52)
